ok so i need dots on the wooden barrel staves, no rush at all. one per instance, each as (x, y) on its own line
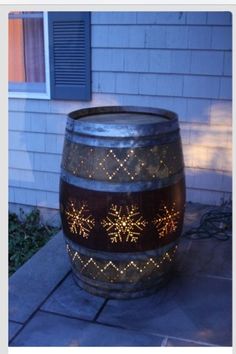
(122, 197)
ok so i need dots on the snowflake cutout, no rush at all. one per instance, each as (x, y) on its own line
(79, 220)
(167, 221)
(124, 224)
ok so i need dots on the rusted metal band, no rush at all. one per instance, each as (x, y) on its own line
(104, 186)
(117, 142)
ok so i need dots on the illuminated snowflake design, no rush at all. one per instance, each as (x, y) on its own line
(79, 220)
(124, 224)
(166, 221)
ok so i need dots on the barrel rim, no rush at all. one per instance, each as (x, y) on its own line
(84, 112)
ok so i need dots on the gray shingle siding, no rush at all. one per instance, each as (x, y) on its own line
(177, 61)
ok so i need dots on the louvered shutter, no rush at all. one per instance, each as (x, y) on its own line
(69, 54)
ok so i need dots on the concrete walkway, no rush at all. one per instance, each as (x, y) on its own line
(46, 308)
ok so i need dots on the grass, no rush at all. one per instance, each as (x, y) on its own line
(26, 236)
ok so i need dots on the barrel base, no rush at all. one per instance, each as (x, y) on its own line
(121, 275)
(121, 294)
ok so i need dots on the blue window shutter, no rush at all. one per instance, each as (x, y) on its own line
(70, 55)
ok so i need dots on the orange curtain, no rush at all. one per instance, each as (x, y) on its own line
(16, 51)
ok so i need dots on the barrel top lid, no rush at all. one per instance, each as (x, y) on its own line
(122, 121)
(124, 118)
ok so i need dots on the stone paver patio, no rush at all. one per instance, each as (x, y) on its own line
(46, 308)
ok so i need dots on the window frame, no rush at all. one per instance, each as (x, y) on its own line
(34, 94)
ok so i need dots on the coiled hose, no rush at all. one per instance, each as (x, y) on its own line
(214, 223)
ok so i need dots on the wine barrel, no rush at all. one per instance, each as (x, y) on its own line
(122, 198)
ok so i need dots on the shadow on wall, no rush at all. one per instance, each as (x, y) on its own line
(36, 136)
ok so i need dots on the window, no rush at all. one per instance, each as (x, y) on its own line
(28, 55)
(49, 55)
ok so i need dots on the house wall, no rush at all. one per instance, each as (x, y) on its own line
(177, 61)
